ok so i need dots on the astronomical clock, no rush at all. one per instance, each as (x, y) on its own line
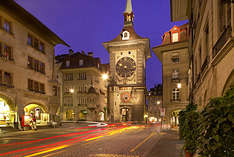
(126, 67)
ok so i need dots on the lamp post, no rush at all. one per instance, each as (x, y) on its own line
(105, 77)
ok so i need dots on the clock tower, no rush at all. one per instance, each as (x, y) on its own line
(128, 55)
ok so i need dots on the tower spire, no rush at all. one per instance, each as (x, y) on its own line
(128, 7)
(128, 14)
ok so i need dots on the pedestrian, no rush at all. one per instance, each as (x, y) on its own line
(33, 121)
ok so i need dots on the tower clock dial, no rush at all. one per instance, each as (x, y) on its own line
(125, 67)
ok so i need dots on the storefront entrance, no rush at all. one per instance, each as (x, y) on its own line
(175, 118)
(42, 117)
(7, 116)
(125, 112)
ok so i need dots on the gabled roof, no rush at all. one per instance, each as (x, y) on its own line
(29, 21)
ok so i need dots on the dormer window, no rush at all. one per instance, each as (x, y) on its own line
(125, 35)
(67, 63)
(81, 62)
(175, 37)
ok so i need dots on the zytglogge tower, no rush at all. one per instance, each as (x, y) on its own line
(128, 55)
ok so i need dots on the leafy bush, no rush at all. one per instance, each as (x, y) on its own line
(188, 123)
(216, 137)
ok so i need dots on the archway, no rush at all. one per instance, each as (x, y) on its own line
(7, 112)
(229, 82)
(175, 118)
(39, 111)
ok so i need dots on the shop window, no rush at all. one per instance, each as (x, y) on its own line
(175, 94)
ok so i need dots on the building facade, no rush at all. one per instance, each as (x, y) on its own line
(26, 67)
(84, 92)
(174, 55)
(154, 105)
(128, 55)
(211, 47)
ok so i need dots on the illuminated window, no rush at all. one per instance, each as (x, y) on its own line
(175, 94)
(67, 63)
(81, 62)
(175, 37)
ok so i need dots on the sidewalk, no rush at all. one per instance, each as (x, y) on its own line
(168, 145)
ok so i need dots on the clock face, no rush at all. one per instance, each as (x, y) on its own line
(125, 67)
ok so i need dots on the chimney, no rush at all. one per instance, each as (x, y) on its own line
(90, 54)
(71, 52)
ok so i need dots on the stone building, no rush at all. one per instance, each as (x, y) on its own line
(174, 55)
(128, 55)
(84, 92)
(27, 77)
(155, 102)
(211, 46)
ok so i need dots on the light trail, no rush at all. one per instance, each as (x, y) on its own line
(48, 138)
(69, 142)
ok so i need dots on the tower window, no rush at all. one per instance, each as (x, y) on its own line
(175, 59)
(175, 74)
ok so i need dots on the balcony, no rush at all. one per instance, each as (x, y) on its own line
(222, 40)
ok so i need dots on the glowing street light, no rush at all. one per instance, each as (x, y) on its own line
(105, 76)
(179, 85)
(158, 102)
(71, 90)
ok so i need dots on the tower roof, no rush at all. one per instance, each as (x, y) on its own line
(128, 7)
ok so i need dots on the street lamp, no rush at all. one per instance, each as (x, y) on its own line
(158, 102)
(179, 85)
(71, 90)
(105, 76)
